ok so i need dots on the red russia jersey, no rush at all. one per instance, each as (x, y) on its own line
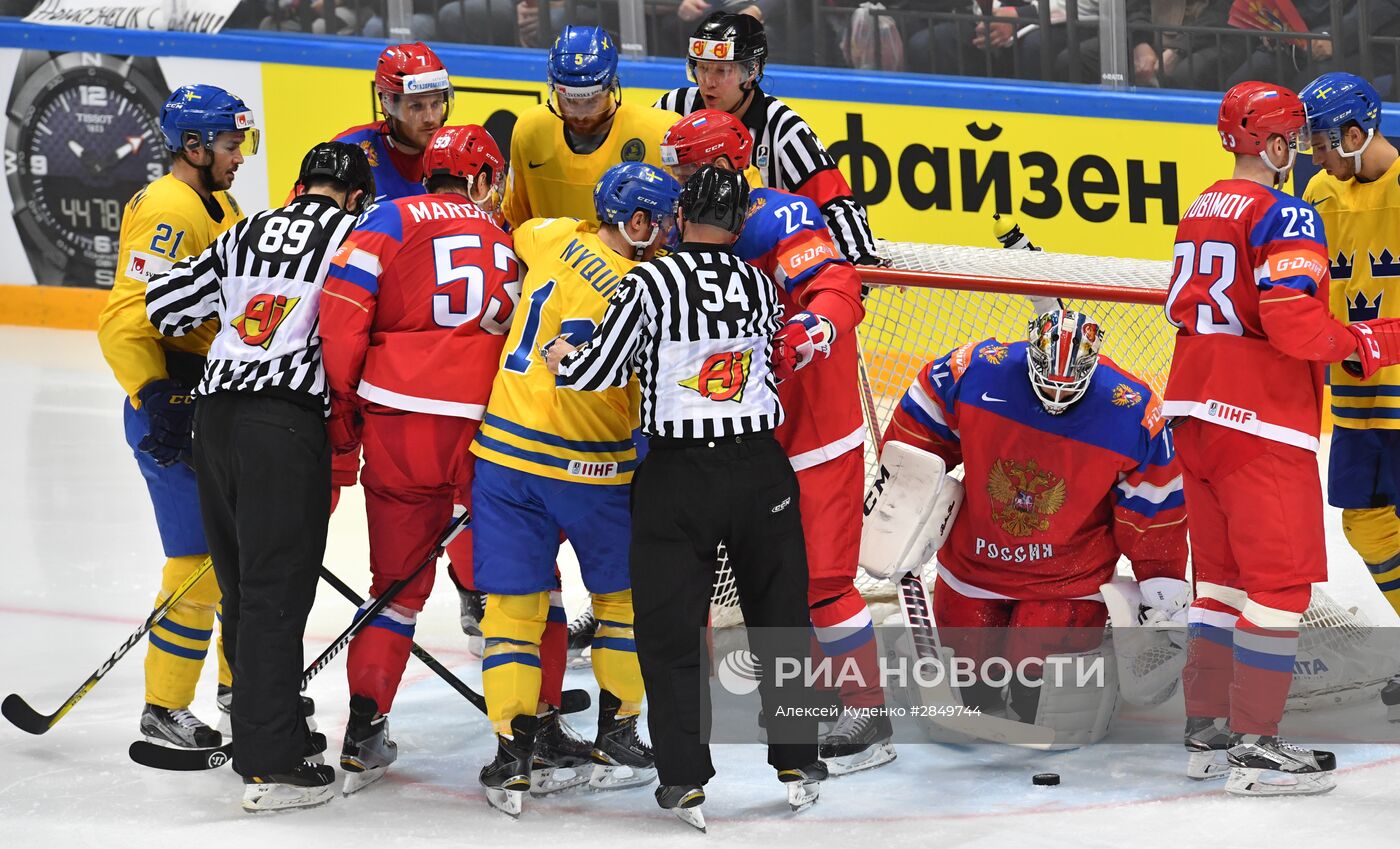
(1052, 500)
(396, 174)
(1249, 300)
(417, 305)
(787, 238)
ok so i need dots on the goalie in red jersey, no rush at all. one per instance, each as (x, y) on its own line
(1249, 301)
(823, 431)
(1065, 472)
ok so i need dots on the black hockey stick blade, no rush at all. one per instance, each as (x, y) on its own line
(24, 717)
(574, 701)
(175, 759)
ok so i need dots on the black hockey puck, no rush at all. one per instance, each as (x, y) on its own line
(1045, 779)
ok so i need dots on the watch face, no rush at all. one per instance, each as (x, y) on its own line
(87, 142)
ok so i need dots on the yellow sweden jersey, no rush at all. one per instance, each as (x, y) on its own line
(1362, 223)
(583, 437)
(161, 225)
(549, 180)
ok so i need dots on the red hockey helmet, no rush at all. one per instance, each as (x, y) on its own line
(409, 69)
(702, 137)
(468, 152)
(1253, 111)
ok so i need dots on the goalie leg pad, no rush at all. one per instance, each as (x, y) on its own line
(1078, 696)
(909, 511)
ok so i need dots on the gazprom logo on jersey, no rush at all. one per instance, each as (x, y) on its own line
(427, 81)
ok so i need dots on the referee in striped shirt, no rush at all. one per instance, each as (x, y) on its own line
(261, 455)
(696, 327)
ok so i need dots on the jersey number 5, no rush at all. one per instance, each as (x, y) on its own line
(1214, 263)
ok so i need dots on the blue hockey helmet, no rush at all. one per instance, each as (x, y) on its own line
(206, 111)
(630, 186)
(1337, 99)
(582, 72)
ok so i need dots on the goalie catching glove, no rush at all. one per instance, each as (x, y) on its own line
(908, 512)
(800, 340)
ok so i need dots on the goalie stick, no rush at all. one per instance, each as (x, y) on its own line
(26, 718)
(156, 756)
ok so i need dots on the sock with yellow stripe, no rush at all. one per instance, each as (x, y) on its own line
(510, 662)
(615, 662)
(180, 641)
(1375, 534)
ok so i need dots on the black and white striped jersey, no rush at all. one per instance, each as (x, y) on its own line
(696, 327)
(262, 279)
(790, 157)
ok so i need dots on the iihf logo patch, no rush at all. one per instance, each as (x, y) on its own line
(1360, 309)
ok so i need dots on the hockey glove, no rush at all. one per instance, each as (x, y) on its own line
(1164, 601)
(805, 336)
(169, 410)
(345, 426)
(1377, 346)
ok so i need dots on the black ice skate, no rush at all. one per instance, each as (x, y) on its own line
(1207, 739)
(473, 611)
(620, 757)
(177, 727)
(1271, 766)
(860, 741)
(508, 777)
(368, 749)
(562, 758)
(581, 632)
(803, 784)
(684, 801)
(305, 786)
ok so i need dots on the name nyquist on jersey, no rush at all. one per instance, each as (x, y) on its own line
(1248, 296)
(417, 305)
(530, 425)
(786, 237)
(1363, 235)
(1052, 501)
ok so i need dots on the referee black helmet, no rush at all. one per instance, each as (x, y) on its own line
(716, 197)
(345, 164)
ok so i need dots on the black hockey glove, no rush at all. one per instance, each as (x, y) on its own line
(170, 410)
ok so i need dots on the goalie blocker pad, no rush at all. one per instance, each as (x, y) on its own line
(909, 511)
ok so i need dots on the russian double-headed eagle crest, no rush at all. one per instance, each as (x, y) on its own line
(1125, 395)
(1024, 496)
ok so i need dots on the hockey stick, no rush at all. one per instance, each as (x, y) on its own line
(26, 718)
(156, 756)
(571, 701)
(943, 705)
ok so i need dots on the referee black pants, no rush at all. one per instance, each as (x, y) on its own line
(687, 497)
(264, 465)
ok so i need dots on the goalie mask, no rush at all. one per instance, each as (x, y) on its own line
(1063, 353)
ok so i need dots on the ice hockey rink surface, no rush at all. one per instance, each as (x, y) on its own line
(80, 568)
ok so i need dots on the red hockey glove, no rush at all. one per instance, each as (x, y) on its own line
(800, 341)
(1377, 346)
(345, 425)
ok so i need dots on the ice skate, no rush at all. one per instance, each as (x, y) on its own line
(368, 750)
(803, 784)
(684, 801)
(473, 611)
(177, 727)
(507, 778)
(562, 758)
(620, 757)
(224, 700)
(1207, 740)
(860, 741)
(1271, 766)
(581, 632)
(1390, 697)
(305, 786)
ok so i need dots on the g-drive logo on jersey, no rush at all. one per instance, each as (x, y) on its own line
(427, 81)
(722, 376)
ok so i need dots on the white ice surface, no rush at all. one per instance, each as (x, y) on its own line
(80, 567)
